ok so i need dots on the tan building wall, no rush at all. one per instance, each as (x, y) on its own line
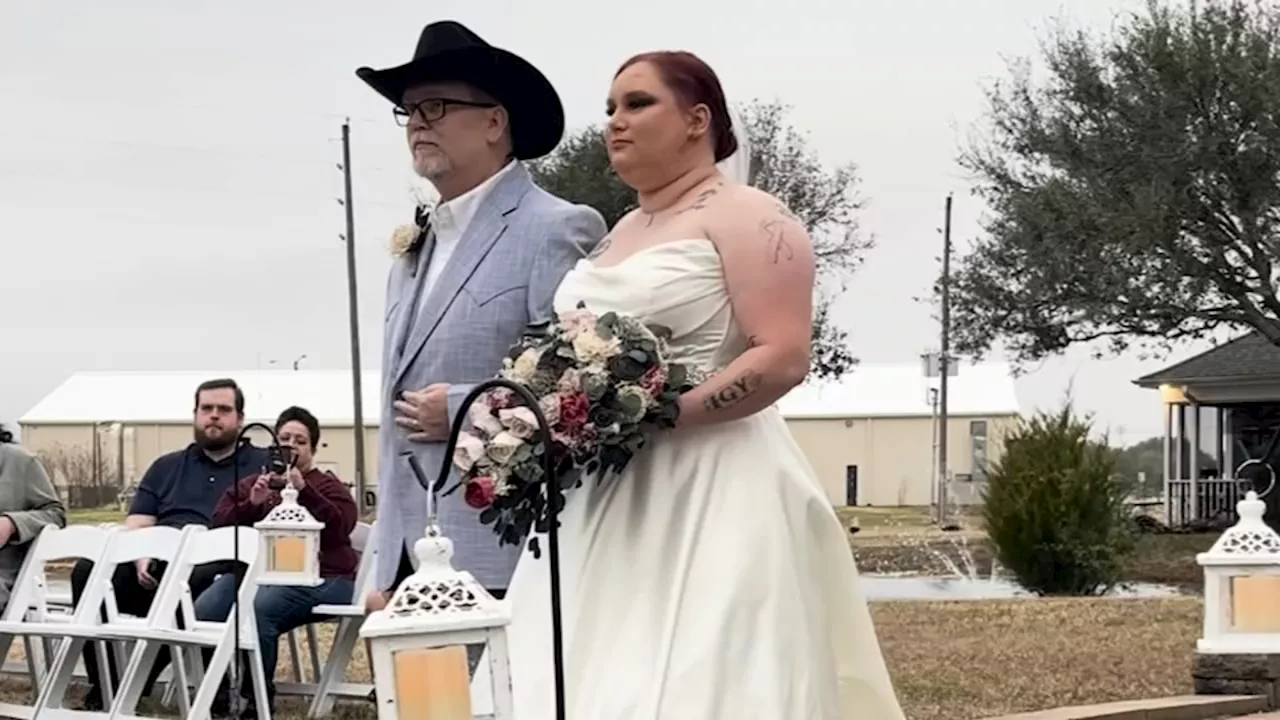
(894, 457)
(144, 443)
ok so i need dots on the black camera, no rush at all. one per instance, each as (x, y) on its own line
(279, 458)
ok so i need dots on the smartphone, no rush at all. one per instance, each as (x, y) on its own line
(279, 460)
(154, 569)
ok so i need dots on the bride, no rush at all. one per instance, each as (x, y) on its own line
(711, 581)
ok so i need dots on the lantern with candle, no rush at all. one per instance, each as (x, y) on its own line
(289, 541)
(418, 643)
(1242, 585)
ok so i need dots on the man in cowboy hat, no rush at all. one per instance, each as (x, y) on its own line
(483, 265)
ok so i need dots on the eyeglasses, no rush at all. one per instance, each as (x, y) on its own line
(432, 109)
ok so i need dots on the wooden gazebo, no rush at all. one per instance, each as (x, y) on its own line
(1239, 381)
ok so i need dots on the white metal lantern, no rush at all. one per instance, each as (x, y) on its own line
(1242, 585)
(419, 643)
(289, 543)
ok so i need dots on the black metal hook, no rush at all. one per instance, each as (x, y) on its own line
(554, 496)
(240, 441)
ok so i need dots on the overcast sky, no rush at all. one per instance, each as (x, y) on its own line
(168, 169)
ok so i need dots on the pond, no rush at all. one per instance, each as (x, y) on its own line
(907, 587)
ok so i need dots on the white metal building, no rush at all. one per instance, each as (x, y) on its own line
(870, 437)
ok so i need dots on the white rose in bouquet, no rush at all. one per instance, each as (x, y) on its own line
(503, 447)
(519, 421)
(482, 419)
(468, 452)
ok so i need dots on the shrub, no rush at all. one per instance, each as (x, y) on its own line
(1054, 508)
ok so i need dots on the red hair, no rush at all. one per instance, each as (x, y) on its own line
(693, 82)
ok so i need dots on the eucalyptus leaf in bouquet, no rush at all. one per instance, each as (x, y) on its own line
(604, 383)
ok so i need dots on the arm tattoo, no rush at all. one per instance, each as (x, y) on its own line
(600, 247)
(776, 243)
(737, 391)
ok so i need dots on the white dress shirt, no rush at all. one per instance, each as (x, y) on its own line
(449, 221)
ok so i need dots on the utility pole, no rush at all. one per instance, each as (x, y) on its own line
(944, 365)
(357, 393)
(933, 451)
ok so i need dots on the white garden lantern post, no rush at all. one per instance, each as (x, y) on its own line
(289, 541)
(419, 642)
(1242, 586)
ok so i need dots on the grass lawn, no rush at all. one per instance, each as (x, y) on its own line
(95, 516)
(1170, 559)
(904, 540)
(976, 659)
(947, 663)
(946, 666)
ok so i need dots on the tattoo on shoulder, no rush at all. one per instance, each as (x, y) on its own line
(775, 229)
(700, 202)
(738, 390)
(600, 247)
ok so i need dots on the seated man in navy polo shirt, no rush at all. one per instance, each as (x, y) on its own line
(180, 488)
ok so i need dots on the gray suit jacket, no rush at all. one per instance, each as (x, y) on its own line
(28, 499)
(501, 277)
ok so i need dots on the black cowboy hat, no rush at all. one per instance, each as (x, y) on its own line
(450, 52)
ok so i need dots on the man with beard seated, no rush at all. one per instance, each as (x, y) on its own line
(179, 489)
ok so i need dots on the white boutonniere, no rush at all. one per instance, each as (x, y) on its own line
(403, 239)
(407, 240)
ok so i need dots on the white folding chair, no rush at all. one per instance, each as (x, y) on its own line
(28, 613)
(330, 678)
(128, 546)
(58, 604)
(188, 642)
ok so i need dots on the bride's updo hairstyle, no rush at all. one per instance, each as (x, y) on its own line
(692, 82)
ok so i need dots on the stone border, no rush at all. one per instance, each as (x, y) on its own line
(1238, 674)
(1179, 707)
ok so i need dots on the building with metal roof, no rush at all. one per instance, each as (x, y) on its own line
(870, 437)
(1221, 429)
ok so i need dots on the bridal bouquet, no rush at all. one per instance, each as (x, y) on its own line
(604, 384)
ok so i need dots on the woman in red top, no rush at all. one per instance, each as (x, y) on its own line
(282, 608)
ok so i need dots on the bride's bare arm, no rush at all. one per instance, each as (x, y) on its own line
(769, 270)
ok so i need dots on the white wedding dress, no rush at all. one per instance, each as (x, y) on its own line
(711, 581)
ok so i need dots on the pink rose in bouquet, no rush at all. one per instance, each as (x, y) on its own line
(605, 385)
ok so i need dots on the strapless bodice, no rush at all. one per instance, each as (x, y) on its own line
(679, 284)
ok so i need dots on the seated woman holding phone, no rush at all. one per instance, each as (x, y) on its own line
(282, 608)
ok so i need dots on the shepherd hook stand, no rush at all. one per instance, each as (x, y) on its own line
(555, 497)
